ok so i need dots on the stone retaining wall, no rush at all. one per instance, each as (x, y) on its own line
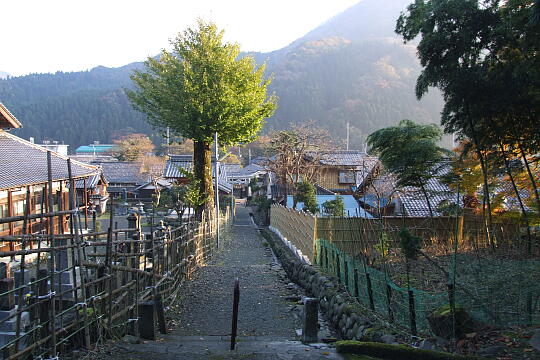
(343, 312)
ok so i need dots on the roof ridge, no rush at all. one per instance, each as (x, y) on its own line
(41, 148)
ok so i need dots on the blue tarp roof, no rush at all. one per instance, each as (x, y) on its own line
(351, 206)
(94, 148)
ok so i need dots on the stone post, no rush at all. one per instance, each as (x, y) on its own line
(311, 318)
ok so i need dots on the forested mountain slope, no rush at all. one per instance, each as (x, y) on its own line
(349, 69)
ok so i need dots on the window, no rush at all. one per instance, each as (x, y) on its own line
(347, 177)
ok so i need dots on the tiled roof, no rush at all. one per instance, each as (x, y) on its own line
(91, 182)
(344, 158)
(123, 172)
(175, 162)
(415, 203)
(24, 163)
(7, 120)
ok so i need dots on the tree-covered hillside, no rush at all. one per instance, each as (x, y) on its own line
(349, 69)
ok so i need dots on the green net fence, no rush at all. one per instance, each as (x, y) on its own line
(491, 291)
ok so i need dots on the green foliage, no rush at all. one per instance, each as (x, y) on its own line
(410, 244)
(449, 208)
(203, 87)
(395, 352)
(383, 246)
(262, 202)
(410, 151)
(334, 207)
(305, 192)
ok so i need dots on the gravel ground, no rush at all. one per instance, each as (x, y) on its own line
(200, 322)
(205, 306)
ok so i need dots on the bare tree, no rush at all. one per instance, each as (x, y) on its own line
(152, 166)
(298, 153)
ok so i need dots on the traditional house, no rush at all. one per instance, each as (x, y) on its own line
(177, 164)
(343, 171)
(24, 178)
(123, 177)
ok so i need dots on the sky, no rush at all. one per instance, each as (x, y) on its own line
(38, 36)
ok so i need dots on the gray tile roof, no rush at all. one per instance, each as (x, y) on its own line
(344, 158)
(175, 162)
(91, 182)
(24, 163)
(123, 172)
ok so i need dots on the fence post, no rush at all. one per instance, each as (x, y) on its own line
(356, 290)
(412, 313)
(338, 267)
(389, 303)
(370, 292)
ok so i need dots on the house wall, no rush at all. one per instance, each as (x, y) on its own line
(13, 203)
(329, 179)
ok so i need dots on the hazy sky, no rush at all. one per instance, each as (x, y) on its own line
(70, 35)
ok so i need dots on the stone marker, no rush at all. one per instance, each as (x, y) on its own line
(311, 317)
(7, 302)
(4, 270)
(147, 329)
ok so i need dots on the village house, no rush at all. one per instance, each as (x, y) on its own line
(343, 171)
(123, 177)
(174, 174)
(23, 170)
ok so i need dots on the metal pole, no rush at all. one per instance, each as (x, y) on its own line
(347, 135)
(236, 301)
(216, 172)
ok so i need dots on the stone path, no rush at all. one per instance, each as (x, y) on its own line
(268, 317)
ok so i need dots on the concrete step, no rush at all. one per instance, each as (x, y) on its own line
(171, 347)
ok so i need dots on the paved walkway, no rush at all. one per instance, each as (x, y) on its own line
(268, 313)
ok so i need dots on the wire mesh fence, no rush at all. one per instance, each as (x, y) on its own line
(457, 277)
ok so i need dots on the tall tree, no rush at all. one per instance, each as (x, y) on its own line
(132, 147)
(410, 151)
(201, 88)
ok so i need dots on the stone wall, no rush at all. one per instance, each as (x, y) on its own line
(344, 313)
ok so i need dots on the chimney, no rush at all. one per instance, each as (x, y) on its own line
(31, 139)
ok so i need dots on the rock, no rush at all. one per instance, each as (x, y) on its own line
(441, 322)
(130, 339)
(348, 323)
(360, 333)
(491, 350)
(535, 340)
(389, 339)
(427, 345)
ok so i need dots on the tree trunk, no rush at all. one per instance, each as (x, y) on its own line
(202, 169)
(523, 211)
(427, 200)
(531, 176)
(487, 201)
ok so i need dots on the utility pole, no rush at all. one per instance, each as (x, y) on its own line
(347, 135)
(216, 173)
(168, 142)
(249, 156)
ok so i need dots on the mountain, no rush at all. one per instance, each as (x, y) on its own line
(351, 69)
(4, 75)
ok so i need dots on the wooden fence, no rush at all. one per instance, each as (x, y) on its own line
(296, 226)
(356, 235)
(81, 287)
